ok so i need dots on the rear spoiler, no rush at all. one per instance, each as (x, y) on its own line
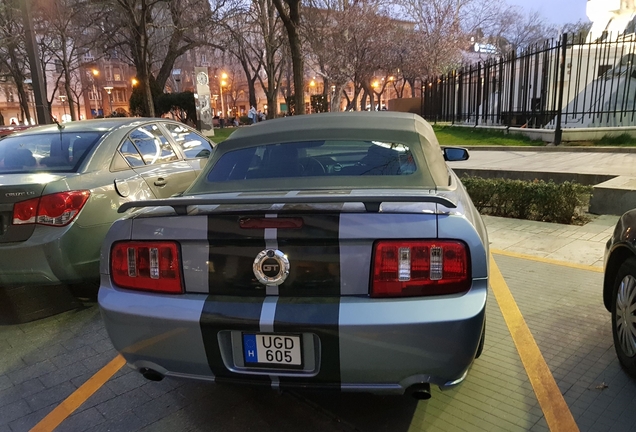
(371, 202)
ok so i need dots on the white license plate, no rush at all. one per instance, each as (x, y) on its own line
(272, 349)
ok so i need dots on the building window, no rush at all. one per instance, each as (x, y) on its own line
(117, 74)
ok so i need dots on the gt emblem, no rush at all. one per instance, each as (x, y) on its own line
(271, 267)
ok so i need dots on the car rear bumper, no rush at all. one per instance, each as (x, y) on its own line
(53, 255)
(351, 343)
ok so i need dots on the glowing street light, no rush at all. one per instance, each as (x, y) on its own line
(223, 83)
(62, 100)
(109, 89)
(95, 73)
(134, 82)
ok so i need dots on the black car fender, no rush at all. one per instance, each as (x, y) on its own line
(620, 247)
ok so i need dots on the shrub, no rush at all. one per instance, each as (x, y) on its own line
(534, 200)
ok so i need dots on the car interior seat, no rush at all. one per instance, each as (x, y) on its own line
(378, 161)
(278, 161)
(80, 146)
(19, 158)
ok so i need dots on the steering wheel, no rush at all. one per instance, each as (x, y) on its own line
(313, 167)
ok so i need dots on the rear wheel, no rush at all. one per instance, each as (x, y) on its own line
(624, 315)
(86, 291)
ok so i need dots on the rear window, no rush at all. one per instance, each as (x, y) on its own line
(314, 159)
(59, 152)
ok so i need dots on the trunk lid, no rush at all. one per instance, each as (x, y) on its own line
(312, 250)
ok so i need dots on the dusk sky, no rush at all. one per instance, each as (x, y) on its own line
(556, 11)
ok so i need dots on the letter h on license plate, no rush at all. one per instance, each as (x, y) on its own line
(272, 350)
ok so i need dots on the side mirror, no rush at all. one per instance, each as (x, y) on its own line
(453, 154)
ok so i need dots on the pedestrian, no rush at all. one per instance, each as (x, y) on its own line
(13, 123)
(1, 120)
(251, 114)
(261, 116)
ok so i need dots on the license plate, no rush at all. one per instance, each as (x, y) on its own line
(272, 350)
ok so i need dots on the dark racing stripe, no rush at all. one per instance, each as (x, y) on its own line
(228, 313)
(232, 252)
(313, 252)
(319, 316)
(314, 256)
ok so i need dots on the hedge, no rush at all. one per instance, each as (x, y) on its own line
(534, 200)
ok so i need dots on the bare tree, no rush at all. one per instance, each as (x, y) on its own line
(441, 36)
(244, 43)
(289, 12)
(13, 56)
(156, 32)
(271, 33)
(65, 33)
(326, 32)
(517, 30)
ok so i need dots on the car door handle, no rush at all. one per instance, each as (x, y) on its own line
(161, 182)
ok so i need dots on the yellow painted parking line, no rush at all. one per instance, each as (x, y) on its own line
(556, 411)
(547, 260)
(79, 396)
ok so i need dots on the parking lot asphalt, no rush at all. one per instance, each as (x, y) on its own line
(548, 364)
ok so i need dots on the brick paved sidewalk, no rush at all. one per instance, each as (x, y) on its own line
(577, 244)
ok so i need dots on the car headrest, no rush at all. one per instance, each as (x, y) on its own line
(80, 146)
(18, 158)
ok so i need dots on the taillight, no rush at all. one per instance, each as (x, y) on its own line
(57, 209)
(146, 266)
(419, 268)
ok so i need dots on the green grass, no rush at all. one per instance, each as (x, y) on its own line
(221, 134)
(452, 135)
(617, 140)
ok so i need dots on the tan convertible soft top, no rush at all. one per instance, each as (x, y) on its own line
(386, 126)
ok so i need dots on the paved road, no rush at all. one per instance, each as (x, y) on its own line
(44, 362)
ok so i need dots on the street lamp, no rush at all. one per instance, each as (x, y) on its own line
(223, 83)
(95, 74)
(109, 89)
(62, 100)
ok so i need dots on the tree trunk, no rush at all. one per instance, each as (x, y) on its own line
(291, 21)
(336, 97)
(67, 88)
(24, 102)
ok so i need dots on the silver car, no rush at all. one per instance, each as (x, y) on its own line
(60, 188)
(332, 251)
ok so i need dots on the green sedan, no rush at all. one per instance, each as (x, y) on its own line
(61, 186)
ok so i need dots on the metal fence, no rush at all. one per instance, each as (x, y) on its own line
(563, 83)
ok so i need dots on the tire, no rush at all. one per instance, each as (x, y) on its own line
(624, 315)
(86, 291)
(480, 347)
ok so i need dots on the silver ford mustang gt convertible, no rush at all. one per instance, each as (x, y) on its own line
(333, 251)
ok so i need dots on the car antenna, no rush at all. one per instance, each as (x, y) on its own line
(60, 127)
